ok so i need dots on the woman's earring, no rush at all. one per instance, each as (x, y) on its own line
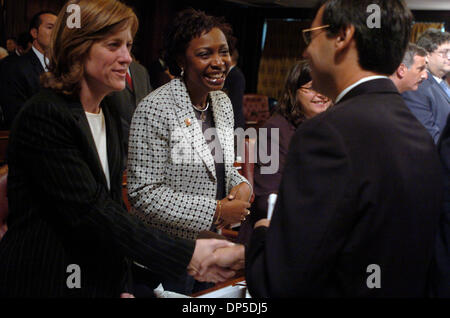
(182, 72)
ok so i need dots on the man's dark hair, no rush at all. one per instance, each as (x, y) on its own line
(432, 38)
(12, 38)
(187, 25)
(36, 20)
(380, 50)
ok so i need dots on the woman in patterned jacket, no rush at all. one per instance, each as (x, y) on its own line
(180, 171)
(69, 233)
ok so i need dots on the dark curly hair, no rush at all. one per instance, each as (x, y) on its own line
(432, 38)
(188, 25)
(288, 106)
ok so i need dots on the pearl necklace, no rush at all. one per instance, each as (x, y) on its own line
(203, 111)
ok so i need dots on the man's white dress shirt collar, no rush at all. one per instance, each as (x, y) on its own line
(44, 60)
(362, 80)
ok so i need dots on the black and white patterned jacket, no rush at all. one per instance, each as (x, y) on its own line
(171, 173)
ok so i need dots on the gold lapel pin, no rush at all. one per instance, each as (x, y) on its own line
(188, 122)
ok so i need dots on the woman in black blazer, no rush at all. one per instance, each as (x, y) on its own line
(69, 233)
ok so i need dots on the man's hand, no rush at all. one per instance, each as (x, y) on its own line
(232, 257)
(203, 249)
(214, 274)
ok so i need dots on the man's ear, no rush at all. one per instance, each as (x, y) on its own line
(401, 70)
(34, 33)
(344, 37)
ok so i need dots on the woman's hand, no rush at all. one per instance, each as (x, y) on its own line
(240, 192)
(231, 211)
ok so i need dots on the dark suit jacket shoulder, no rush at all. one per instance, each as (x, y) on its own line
(62, 212)
(20, 80)
(440, 283)
(362, 186)
(127, 100)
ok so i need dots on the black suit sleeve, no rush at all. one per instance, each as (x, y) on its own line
(235, 88)
(19, 81)
(440, 281)
(422, 105)
(14, 92)
(48, 143)
(296, 253)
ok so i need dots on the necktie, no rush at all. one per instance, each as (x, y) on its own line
(129, 81)
(444, 84)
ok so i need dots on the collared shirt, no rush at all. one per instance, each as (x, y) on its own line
(446, 87)
(437, 78)
(362, 80)
(44, 60)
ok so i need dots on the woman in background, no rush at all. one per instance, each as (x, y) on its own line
(298, 103)
(181, 148)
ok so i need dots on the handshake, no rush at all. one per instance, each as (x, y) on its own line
(216, 260)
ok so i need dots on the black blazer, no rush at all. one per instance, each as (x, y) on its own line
(234, 86)
(62, 213)
(361, 186)
(441, 267)
(19, 81)
(127, 100)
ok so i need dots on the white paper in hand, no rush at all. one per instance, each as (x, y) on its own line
(271, 204)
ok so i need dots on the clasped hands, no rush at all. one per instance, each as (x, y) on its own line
(218, 260)
(234, 207)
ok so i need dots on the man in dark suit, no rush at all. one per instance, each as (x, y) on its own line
(412, 71)
(235, 88)
(440, 284)
(11, 46)
(20, 75)
(137, 87)
(430, 103)
(359, 200)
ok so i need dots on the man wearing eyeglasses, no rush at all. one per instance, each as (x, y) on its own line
(359, 200)
(430, 103)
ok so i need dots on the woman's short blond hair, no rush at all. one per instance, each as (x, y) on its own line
(70, 44)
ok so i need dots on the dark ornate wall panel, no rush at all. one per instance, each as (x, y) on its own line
(155, 15)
